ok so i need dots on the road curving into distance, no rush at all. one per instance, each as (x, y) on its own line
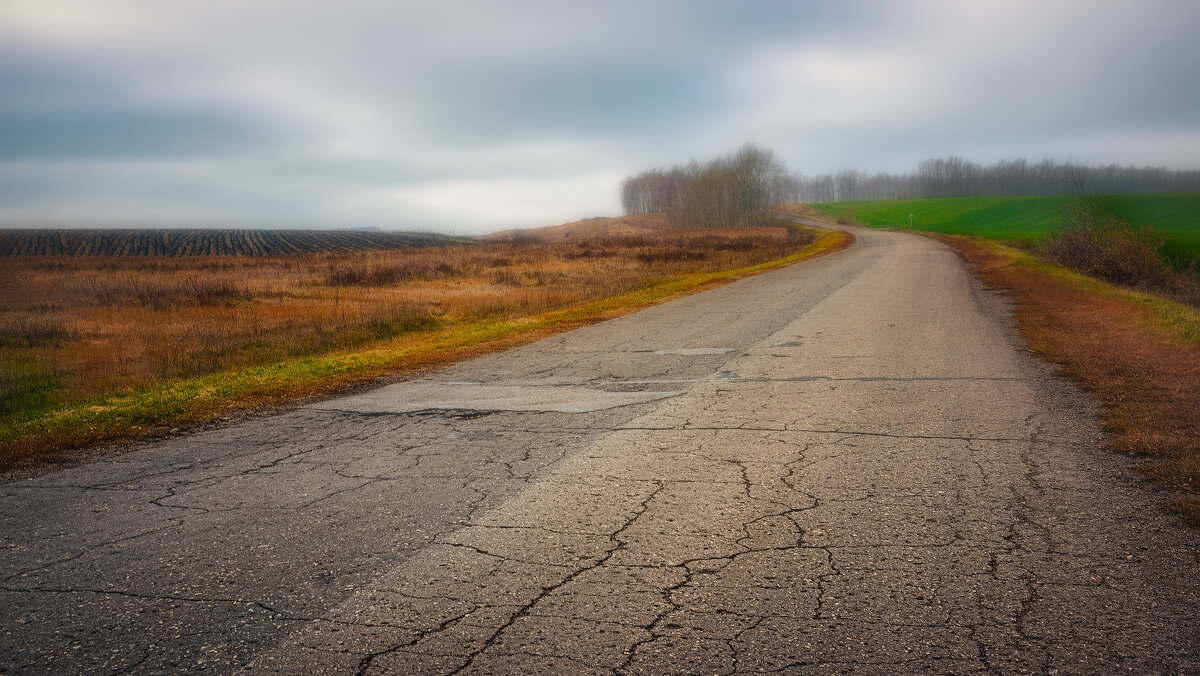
(849, 464)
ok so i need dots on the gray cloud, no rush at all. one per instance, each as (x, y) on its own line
(476, 116)
(125, 134)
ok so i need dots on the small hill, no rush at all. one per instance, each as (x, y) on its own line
(1176, 215)
(204, 242)
(639, 224)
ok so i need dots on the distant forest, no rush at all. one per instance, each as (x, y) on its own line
(731, 190)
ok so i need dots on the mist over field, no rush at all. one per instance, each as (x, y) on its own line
(471, 117)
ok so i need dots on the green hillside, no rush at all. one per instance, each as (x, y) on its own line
(1017, 218)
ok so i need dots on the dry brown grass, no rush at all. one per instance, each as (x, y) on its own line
(636, 225)
(1112, 249)
(72, 328)
(801, 211)
(1147, 376)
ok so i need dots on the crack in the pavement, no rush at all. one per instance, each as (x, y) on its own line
(173, 523)
(617, 545)
(786, 428)
(805, 379)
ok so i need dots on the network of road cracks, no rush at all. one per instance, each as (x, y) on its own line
(813, 490)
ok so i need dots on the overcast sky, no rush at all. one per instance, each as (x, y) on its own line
(477, 116)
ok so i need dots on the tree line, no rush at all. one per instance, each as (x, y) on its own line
(732, 190)
(957, 177)
(729, 191)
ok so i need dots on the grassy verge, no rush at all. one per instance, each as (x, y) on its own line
(149, 410)
(1138, 353)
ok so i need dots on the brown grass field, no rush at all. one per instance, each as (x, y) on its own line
(76, 328)
(637, 225)
(802, 211)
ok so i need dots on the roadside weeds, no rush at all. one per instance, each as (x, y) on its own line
(1137, 353)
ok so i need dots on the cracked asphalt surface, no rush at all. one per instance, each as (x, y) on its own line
(848, 465)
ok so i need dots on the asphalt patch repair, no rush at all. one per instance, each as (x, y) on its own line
(465, 396)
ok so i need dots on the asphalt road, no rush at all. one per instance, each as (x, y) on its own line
(847, 465)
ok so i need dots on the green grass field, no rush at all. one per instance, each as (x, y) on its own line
(1024, 218)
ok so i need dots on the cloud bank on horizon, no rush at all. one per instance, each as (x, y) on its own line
(477, 116)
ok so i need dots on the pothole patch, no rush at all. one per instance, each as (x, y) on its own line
(419, 396)
(690, 351)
